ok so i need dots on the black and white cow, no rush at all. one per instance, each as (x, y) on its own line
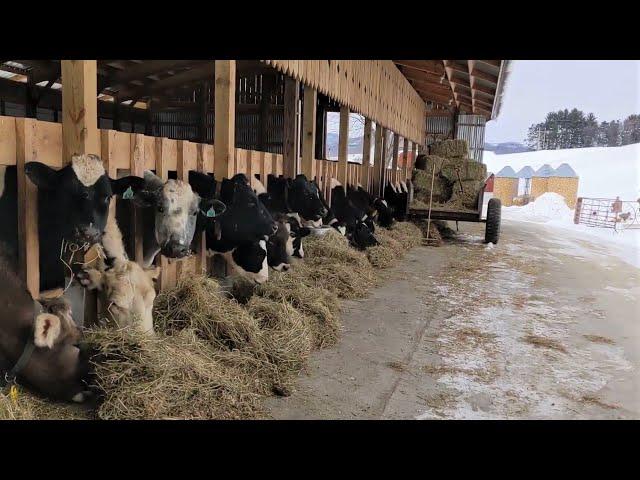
(285, 212)
(239, 234)
(396, 197)
(375, 208)
(73, 205)
(359, 232)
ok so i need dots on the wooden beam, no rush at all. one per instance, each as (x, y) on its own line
(140, 71)
(493, 63)
(485, 76)
(424, 76)
(456, 67)
(225, 119)
(79, 108)
(481, 88)
(290, 141)
(310, 102)
(343, 145)
(366, 154)
(472, 79)
(449, 73)
(429, 66)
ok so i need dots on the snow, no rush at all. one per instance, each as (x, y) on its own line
(605, 172)
(550, 209)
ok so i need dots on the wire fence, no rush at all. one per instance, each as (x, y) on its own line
(607, 213)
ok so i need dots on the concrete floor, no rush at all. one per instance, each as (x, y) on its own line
(538, 327)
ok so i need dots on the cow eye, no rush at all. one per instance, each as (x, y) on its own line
(160, 209)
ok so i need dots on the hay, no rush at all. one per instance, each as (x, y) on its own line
(29, 406)
(168, 377)
(318, 305)
(450, 148)
(287, 335)
(434, 232)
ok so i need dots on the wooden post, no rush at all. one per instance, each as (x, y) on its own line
(309, 130)
(378, 161)
(79, 108)
(225, 119)
(405, 159)
(394, 160)
(28, 243)
(343, 146)
(162, 171)
(137, 169)
(80, 134)
(290, 140)
(268, 82)
(366, 154)
(201, 242)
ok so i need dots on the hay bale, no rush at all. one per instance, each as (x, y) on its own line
(450, 148)
(465, 194)
(168, 377)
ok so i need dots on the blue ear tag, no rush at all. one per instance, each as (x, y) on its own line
(211, 213)
(128, 194)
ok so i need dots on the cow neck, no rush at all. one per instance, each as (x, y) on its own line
(286, 199)
(9, 376)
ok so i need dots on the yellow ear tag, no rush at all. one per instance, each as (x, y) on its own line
(13, 394)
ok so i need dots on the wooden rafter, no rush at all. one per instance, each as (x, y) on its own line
(428, 66)
(485, 76)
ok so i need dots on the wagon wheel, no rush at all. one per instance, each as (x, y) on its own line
(492, 228)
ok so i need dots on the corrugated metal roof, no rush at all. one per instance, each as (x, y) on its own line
(506, 172)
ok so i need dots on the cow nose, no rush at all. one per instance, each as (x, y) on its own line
(286, 267)
(274, 228)
(323, 212)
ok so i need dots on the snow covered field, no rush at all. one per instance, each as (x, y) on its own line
(605, 172)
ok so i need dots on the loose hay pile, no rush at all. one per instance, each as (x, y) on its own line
(212, 357)
(29, 406)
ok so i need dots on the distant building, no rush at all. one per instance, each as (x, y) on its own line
(505, 186)
(526, 185)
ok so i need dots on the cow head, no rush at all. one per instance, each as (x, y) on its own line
(57, 366)
(362, 237)
(304, 198)
(246, 218)
(177, 207)
(385, 212)
(75, 199)
(280, 245)
(250, 261)
(297, 233)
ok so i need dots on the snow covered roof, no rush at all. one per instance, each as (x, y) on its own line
(525, 172)
(544, 171)
(565, 170)
(507, 172)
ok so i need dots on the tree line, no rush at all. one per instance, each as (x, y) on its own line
(575, 129)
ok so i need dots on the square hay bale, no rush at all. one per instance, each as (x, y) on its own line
(450, 148)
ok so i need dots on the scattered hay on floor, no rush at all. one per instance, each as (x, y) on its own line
(434, 232)
(161, 376)
(599, 339)
(544, 342)
(397, 366)
(30, 406)
(407, 233)
(592, 399)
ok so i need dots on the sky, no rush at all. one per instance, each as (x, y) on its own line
(608, 88)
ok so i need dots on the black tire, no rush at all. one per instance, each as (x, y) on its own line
(492, 228)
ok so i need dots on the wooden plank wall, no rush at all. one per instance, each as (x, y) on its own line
(25, 139)
(373, 88)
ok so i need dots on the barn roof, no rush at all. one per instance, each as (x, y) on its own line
(544, 171)
(506, 172)
(565, 170)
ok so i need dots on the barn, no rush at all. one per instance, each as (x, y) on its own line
(224, 117)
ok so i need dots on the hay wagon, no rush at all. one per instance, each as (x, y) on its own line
(490, 217)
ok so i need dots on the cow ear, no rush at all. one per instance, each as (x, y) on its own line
(212, 208)
(43, 176)
(46, 330)
(127, 187)
(203, 184)
(152, 181)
